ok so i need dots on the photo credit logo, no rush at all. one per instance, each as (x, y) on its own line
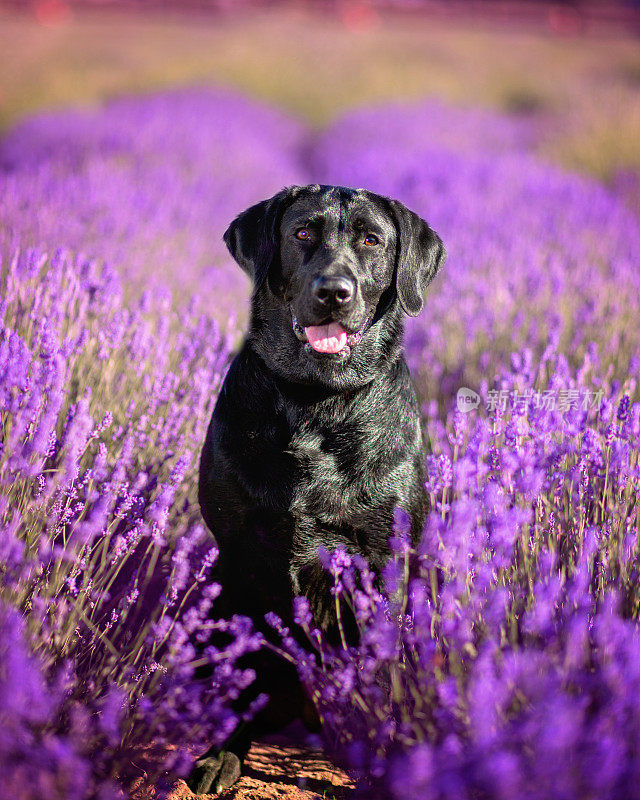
(467, 399)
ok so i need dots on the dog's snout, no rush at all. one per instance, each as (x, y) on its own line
(333, 291)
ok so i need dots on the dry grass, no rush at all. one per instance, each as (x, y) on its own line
(315, 67)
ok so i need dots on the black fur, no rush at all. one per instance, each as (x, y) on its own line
(307, 449)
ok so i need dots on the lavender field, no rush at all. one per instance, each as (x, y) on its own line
(500, 657)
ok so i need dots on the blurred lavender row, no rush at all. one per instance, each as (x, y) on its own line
(499, 658)
(147, 184)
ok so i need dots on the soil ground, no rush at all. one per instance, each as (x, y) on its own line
(279, 768)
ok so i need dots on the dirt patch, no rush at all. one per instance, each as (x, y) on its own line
(277, 770)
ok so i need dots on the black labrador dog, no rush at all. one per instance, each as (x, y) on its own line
(316, 436)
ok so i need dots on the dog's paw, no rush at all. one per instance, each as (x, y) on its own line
(214, 774)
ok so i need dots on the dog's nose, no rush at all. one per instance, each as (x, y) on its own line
(333, 291)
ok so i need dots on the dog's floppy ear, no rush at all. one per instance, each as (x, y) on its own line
(419, 255)
(253, 237)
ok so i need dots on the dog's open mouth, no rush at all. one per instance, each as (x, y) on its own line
(329, 339)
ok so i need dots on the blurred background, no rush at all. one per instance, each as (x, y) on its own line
(573, 66)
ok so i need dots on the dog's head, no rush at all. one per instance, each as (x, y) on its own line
(333, 269)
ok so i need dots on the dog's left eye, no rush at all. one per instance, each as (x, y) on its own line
(371, 240)
(303, 234)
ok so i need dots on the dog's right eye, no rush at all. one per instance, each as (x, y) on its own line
(303, 234)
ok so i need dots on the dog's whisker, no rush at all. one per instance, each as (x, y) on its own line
(299, 330)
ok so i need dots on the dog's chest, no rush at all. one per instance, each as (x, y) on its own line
(318, 461)
(347, 469)
(323, 489)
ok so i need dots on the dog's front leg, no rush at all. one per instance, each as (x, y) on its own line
(312, 580)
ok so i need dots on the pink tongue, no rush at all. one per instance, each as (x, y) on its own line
(327, 338)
